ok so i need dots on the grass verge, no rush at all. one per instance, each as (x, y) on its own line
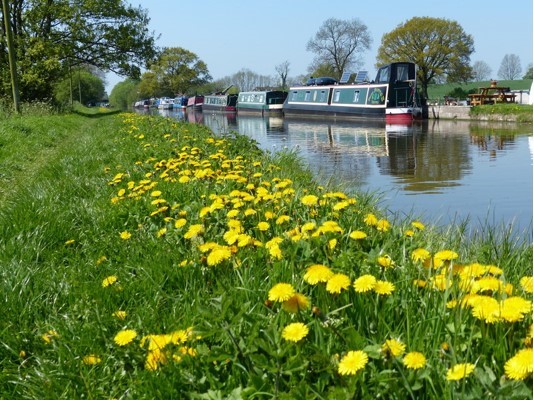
(147, 258)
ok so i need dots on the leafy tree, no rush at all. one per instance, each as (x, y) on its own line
(124, 94)
(481, 71)
(438, 46)
(179, 70)
(528, 74)
(80, 86)
(53, 37)
(339, 43)
(510, 68)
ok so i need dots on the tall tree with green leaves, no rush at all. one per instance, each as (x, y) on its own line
(54, 36)
(339, 44)
(440, 48)
(179, 70)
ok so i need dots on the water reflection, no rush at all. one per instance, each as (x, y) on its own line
(443, 171)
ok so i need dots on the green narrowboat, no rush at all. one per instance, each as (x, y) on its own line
(263, 102)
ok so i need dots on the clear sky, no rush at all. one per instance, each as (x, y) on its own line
(229, 35)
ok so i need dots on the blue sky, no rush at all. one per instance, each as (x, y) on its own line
(229, 35)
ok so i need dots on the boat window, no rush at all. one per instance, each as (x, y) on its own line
(336, 96)
(261, 98)
(383, 75)
(402, 72)
(356, 98)
(322, 96)
(307, 96)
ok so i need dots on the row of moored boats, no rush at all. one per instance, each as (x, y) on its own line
(391, 96)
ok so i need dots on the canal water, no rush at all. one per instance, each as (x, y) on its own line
(443, 172)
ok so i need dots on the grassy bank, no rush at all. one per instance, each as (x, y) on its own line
(145, 258)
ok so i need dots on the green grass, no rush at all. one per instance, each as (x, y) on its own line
(442, 90)
(84, 199)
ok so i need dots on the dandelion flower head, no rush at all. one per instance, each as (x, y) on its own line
(352, 362)
(414, 360)
(317, 273)
(460, 371)
(281, 292)
(295, 332)
(519, 367)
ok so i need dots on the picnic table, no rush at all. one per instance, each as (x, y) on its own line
(492, 95)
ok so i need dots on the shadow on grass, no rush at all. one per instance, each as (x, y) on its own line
(97, 114)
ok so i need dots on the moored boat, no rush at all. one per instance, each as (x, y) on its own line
(195, 102)
(266, 101)
(180, 102)
(165, 103)
(220, 102)
(391, 96)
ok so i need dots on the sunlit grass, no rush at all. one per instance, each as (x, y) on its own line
(148, 258)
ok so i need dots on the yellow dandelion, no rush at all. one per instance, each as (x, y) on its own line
(317, 273)
(358, 235)
(120, 314)
(282, 219)
(393, 347)
(49, 335)
(337, 283)
(298, 302)
(218, 255)
(519, 367)
(352, 362)
(180, 222)
(526, 283)
(364, 283)
(281, 292)
(409, 233)
(295, 332)
(383, 225)
(418, 225)
(101, 260)
(125, 235)
(154, 358)
(194, 231)
(460, 371)
(309, 200)
(308, 227)
(414, 360)
(125, 337)
(370, 220)
(384, 288)
(385, 261)
(110, 280)
(420, 255)
(91, 359)
(446, 255)
(263, 226)
(69, 242)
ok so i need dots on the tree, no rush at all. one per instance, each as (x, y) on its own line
(53, 37)
(481, 71)
(339, 43)
(528, 74)
(124, 94)
(179, 70)
(81, 86)
(510, 68)
(439, 47)
(283, 70)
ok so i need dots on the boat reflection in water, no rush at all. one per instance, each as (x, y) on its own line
(440, 171)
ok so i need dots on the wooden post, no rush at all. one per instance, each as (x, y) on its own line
(11, 53)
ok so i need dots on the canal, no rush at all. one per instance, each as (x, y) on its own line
(442, 172)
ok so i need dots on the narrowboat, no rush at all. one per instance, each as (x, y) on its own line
(220, 102)
(267, 101)
(195, 102)
(391, 96)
